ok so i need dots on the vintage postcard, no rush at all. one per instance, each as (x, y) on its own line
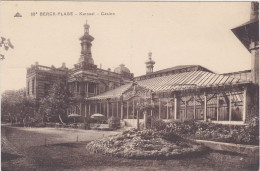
(129, 85)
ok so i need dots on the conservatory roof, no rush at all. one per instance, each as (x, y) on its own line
(175, 82)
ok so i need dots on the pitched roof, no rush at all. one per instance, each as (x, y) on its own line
(173, 70)
(175, 82)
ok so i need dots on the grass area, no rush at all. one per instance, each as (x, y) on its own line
(74, 156)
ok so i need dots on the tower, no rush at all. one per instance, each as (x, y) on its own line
(248, 34)
(149, 64)
(86, 39)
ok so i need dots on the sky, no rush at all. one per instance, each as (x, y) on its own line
(177, 33)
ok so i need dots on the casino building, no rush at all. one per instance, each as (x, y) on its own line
(84, 80)
(177, 93)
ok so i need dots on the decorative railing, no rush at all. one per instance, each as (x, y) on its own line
(36, 67)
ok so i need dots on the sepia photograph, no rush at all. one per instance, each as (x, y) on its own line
(120, 86)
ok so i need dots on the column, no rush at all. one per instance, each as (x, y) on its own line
(137, 113)
(145, 119)
(79, 87)
(96, 107)
(185, 108)
(122, 110)
(217, 107)
(167, 105)
(230, 106)
(194, 107)
(104, 108)
(159, 108)
(87, 90)
(79, 108)
(89, 109)
(133, 108)
(244, 105)
(85, 109)
(127, 112)
(107, 109)
(96, 89)
(205, 106)
(151, 108)
(254, 49)
(112, 105)
(117, 108)
(175, 107)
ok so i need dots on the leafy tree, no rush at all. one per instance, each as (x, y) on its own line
(54, 106)
(15, 106)
(6, 43)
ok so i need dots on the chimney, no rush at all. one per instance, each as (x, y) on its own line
(63, 66)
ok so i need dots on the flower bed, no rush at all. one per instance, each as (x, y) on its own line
(144, 144)
(239, 134)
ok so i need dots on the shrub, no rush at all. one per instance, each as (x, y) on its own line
(114, 122)
(158, 125)
(171, 136)
(217, 132)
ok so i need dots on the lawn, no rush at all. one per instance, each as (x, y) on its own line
(64, 153)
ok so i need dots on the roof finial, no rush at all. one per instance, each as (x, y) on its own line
(150, 54)
(86, 27)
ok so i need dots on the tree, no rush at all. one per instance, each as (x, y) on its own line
(54, 106)
(15, 106)
(6, 43)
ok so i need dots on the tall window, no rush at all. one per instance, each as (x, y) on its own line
(46, 89)
(237, 99)
(33, 86)
(28, 88)
(91, 87)
(77, 83)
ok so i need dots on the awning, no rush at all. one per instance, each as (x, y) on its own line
(247, 31)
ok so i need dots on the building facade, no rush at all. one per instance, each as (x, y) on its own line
(84, 80)
(177, 93)
(191, 92)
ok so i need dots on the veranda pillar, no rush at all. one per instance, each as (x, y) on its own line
(85, 109)
(117, 108)
(122, 110)
(112, 106)
(107, 109)
(205, 106)
(87, 90)
(185, 108)
(96, 107)
(217, 107)
(244, 105)
(194, 107)
(127, 110)
(230, 106)
(89, 109)
(159, 108)
(167, 106)
(133, 108)
(175, 107)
